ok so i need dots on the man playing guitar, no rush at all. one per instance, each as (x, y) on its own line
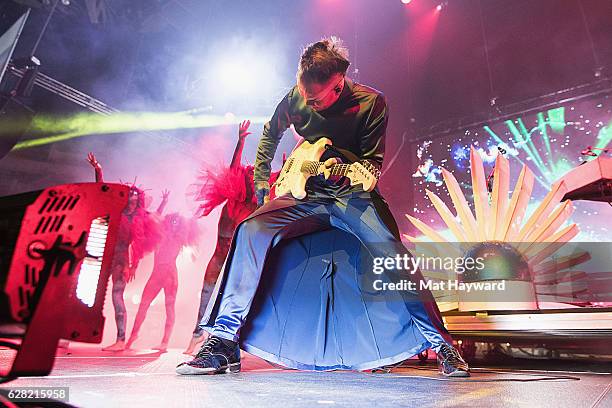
(354, 118)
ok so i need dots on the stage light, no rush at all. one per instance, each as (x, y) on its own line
(406, 1)
(439, 7)
(241, 75)
(89, 275)
(48, 233)
(235, 77)
(598, 71)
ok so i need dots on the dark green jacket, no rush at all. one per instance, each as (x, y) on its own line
(356, 122)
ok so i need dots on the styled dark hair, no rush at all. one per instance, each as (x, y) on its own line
(322, 59)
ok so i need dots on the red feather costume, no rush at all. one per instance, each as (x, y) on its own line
(234, 185)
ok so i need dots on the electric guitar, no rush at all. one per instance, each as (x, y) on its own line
(304, 163)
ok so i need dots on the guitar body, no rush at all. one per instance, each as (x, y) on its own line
(292, 180)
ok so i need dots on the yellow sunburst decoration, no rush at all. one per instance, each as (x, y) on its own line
(500, 219)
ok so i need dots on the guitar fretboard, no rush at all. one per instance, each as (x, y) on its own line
(313, 167)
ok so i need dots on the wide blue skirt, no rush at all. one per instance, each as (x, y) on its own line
(310, 311)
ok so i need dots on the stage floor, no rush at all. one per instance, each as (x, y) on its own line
(147, 379)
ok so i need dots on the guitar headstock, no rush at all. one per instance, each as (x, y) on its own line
(364, 173)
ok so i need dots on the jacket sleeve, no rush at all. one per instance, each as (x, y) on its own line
(272, 133)
(372, 141)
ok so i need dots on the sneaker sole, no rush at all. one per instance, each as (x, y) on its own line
(457, 373)
(186, 369)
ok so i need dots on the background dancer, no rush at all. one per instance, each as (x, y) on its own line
(178, 232)
(138, 234)
(234, 186)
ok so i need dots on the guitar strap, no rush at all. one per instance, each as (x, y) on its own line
(345, 154)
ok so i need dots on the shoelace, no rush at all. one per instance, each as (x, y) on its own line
(452, 355)
(207, 348)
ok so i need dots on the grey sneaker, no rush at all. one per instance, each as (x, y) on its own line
(215, 357)
(450, 362)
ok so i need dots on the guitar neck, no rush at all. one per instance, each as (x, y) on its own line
(314, 168)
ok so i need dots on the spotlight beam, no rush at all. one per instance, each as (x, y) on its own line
(86, 124)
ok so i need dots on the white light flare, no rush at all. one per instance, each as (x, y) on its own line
(89, 274)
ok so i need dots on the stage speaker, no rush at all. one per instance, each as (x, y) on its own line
(56, 250)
